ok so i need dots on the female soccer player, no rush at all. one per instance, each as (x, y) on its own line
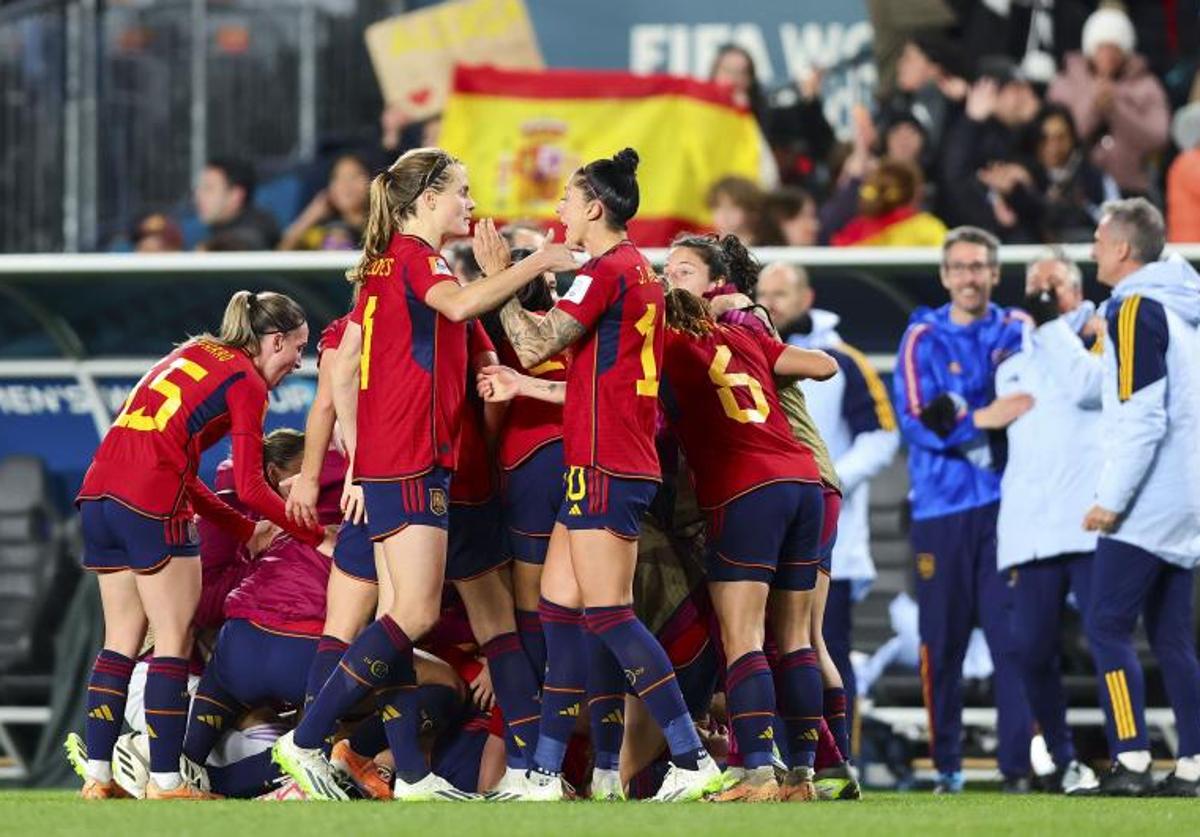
(724, 271)
(612, 314)
(399, 409)
(137, 503)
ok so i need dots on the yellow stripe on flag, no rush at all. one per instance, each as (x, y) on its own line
(521, 146)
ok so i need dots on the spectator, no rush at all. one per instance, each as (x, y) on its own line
(335, 218)
(736, 204)
(1058, 197)
(793, 212)
(950, 416)
(991, 129)
(1183, 178)
(156, 233)
(224, 202)
(855, 418)
(1120, 108)
(1048, 485)
(889, 213)
(792, 118)
(930, 85)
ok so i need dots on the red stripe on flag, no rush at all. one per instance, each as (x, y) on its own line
(586, 84)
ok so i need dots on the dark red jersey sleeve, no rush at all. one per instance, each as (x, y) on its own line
(478, 341)
(589, 296)
(424, 274)
(216, 511)
(247, 400)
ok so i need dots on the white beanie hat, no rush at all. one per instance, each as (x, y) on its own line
(1107, 26)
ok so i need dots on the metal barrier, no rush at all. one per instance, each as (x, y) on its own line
(108, 110)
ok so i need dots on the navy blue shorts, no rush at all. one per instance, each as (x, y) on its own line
(532, 495)
(115, 537)
(829, 529)
(596, 500)
(259, 665)
(420, 501)
(475, 547)
(771, 534)
(456, 756)
(354, 553)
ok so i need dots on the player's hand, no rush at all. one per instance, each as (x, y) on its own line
(264, 532)
(178, 529)
(301, 502)
(481, 689)
(728, 302)
(1099, 519)
(557, 258)
(498, 383)
(354, 508)
(490, 249)
(1003, 411)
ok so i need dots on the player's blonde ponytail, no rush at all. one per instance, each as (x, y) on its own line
(393, 198)
(249, 316)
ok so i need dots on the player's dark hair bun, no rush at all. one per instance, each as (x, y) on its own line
(613, 182)
(627, 161)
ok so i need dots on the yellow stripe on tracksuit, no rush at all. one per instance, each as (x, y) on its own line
(1126, 329)
(883, 405)
(1122, 706)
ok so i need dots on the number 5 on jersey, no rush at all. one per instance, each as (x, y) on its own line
(138, 420)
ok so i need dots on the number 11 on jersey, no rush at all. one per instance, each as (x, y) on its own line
(648, 384)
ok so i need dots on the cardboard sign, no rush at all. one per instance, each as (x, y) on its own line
(414, 54)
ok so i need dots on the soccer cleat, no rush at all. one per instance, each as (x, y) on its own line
(311, 770)
(949, 783)
(77, 757)
(1121, 781)
(682, 785)
(509, 788)
(194, 774)
(131, 764)
(365, 774)
(285, 790)
(606, 786)
(432, 788)
(102, 790)
(757, 786)
(182, 791)
(798, 785)
(1079, 780)
(1172, 785)
(837, 783)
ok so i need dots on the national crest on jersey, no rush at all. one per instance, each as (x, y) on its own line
(719, 395)
(412, 376)
(612, 385)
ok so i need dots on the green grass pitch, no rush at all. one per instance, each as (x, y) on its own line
(976, 812)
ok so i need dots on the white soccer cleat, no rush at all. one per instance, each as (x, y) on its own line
(606, 786)
(1080, 780)
(311, 770)
(509, 788)
(194, 774)
(432, 788)
(131, 764)
(681, 785)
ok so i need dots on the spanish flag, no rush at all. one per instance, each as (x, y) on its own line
(523, 133)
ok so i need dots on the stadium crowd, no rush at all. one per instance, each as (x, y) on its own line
(1024, 144)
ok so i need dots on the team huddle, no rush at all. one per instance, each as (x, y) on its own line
(524, 447)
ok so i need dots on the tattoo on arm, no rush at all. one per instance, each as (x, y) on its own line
(535, 338)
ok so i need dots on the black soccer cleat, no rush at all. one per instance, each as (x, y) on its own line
(1121, 781)
(1015, 785)
(1172, 785)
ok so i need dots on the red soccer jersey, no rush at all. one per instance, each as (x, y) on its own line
(530, 422)
(413, 375)
(186, 403)
(474, 476)
(331, 337)
(612, 383)
(719, 393)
